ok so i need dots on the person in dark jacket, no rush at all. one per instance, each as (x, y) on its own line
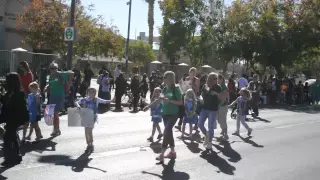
(13, 102)
(121, 86)
(135, 90)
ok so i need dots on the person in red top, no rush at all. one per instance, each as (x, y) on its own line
(26, 76)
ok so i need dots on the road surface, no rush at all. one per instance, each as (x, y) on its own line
(284, 146)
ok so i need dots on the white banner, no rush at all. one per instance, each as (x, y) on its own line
(83, 117)
(184, 86)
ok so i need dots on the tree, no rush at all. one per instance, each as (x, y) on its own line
(150, 19)
(140, 53)
(44, 25)
(179, 31)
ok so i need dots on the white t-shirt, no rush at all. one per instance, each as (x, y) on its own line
(242, 82)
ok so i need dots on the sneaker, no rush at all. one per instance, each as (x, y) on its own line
(89, 149)
(28, 138)
(209, 146)
(226, 137)
(160, 158)
(38, 138)
(56, 133)
(171, 155)
(249, 131)
(150, 139)
(236, 133)
(159, 136)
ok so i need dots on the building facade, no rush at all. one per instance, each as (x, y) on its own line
(10, 38)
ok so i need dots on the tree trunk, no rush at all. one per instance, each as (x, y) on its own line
(151, 20)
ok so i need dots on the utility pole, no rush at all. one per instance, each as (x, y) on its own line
(70, 43)
(128, 35)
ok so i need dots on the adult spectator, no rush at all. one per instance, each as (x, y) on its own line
(43, 73)
(26, 76)
(14, 114)
(117, 71)
(170, 111)
(315, 91)
(88, 74)
(242, 82)
(121, 86)
(76, 80)
(232, 88)
(255, 88)
(152, 82)
(57, 82)
(144, 85)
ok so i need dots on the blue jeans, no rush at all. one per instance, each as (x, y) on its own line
(211, 115)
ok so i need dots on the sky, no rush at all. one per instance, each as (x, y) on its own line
(116, 12)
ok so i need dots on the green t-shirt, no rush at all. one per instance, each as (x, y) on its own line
(315, 88)
(56, 87)
(210, 102)
(169, 108)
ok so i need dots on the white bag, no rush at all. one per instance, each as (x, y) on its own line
(48, 114)
(83, 117)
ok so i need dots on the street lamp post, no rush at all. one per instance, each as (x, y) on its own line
(70, 43)
(128, 35)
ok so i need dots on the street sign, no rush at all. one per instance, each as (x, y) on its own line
(69, 34)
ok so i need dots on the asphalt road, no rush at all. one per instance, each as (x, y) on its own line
(284, 145)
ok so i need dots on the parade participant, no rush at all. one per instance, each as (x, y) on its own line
(255, 88)
(56, 87)
(209, 108)
(34, 107)
(223, 107)
(91, 102)
(190, 104)
(172, 99)
(242, 110)
(156, 115)
(121, 86)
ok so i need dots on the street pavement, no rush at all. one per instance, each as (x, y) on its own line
(284, 145)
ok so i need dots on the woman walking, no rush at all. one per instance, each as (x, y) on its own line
(172, 99)
(223, 107)
(57, 83)
(209, 108)
(26, 76)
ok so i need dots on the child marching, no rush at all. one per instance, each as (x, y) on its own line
(34, 107)
(156, 116)
(190, 117)
(242, 110)
(91, 102)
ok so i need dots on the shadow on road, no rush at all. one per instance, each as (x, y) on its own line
(3, 169)
(192, 146)
(249, 141)
(263, 120)
(296, 108)
(76, 165)
(156, 146)
(169, 173)
(228, 151)
(218, 162)
(39, 146)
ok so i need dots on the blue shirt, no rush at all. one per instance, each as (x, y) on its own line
(156, 111)
(33, 106)
(93, 104)
(242, 106)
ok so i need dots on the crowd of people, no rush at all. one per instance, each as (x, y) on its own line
(193, 100)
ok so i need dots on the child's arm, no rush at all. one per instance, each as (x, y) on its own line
(103, 101)
(233, 103)
(157, 101)
(77, 104)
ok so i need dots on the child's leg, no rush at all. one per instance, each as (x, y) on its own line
(190, 129)
(243, 122)
(238, 122)
(158, 128)
(86, 132)
(25, 128)
(31, 130)
(183, 129)
(37, 129)
(154, 125)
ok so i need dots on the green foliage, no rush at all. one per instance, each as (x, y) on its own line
(140, 53)
(45, 25)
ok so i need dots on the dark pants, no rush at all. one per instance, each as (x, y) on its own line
(135, 100)
(118, 100)
(169, 121)
(11, 145)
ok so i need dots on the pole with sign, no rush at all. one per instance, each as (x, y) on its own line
(69, 34)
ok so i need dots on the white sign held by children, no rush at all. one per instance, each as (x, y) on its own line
(83, 117)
